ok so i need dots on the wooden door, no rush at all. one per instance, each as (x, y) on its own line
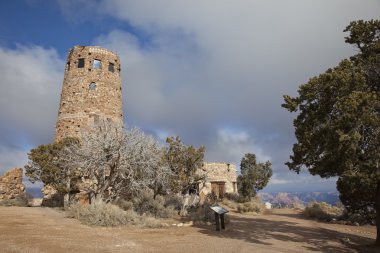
(218, 189)
(215, 188)
(221, 190)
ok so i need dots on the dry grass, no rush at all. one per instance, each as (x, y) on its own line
(110, 215)
(322, 211)
(145, 204)
(22, 200)
(298, 206)
(101, 214)
(230, 203)
(255, 206)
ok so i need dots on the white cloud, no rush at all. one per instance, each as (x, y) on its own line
(197, 66)
(276, 181)
(232, 145)
(31, 77)
(11, 157)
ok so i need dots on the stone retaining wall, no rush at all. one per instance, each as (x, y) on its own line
(11, 185)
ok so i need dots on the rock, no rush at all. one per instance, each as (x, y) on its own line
(180, 224)
(11, 185)
(35, 202)
(188, 224)
(201, 223)
(345, 240)
(356, 224)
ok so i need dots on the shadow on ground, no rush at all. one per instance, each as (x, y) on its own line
(264, 230)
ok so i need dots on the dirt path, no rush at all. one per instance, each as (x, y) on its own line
(37, 230)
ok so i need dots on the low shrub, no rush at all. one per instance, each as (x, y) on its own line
(146, 204)
(99, 213)
(175, 201)
(232, 197)
(109, 215)
(204, 213)
(124, 204)
(298, 206)
(21, 200)
(322, 211)
(149, 222)
(253, 206)
(230, 203)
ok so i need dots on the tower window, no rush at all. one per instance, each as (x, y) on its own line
(97, 64)
(67, 66)
(111, 67)
(81, 63)
(92, 86)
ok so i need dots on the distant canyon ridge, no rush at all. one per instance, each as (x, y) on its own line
(288, 198)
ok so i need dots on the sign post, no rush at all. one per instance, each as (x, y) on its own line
(219, 214)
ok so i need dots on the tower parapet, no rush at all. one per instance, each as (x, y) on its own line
(91, 91)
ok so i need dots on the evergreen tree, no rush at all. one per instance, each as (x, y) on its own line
(254, 176)
(338, 123)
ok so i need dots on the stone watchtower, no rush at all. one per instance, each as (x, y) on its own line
(91, 91)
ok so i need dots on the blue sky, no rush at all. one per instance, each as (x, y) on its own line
(211, 71)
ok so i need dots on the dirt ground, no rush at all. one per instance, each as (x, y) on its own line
(37, 230)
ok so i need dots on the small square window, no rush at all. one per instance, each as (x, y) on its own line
(97, 64)
(111, 67)
(92, 86)
(81, 63)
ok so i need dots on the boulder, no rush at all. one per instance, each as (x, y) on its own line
(52, 198)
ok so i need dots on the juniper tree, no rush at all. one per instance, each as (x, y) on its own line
(254, 176)
(184, 161)
(338, 123)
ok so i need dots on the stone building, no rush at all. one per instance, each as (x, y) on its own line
(91, 91)
(220, 179)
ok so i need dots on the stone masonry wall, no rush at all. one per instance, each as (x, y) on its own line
(91, 92)
(11, 185)
(219, 172)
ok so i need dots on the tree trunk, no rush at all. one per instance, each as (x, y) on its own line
(377, 205)
(66, 198)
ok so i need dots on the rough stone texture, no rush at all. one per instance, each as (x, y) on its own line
(51, 197)
(82, 107)
(11, 185)
(218, 173)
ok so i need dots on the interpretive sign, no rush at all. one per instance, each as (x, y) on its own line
(219, 215)
(219, 209)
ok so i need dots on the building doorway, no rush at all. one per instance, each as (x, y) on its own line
(218, 188)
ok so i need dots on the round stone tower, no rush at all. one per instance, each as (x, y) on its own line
(91, 91)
